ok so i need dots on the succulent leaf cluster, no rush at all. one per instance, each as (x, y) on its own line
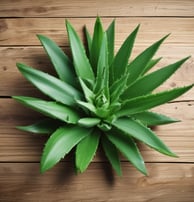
(99, 97)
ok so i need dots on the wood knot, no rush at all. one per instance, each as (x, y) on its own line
(173, 84)
(4, 68)
(142, 182)
(40, 9)
(3, 26)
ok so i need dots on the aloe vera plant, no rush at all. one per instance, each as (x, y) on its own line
(99, 97)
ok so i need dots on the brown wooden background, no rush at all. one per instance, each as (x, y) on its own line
(170, 179)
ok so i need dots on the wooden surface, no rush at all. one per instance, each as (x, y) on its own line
(170, 179)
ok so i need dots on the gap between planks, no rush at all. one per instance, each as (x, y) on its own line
(23, 31)
(76, 8)
(166, 182)
(19, 146)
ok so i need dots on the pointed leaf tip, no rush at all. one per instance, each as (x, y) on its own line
(150, 82)
(39, 36)
(80, 60)
(153, 119)
(110, 32)
(111, 153)
(60, 143)
(97, 41)
(59, 59)
(139, 64)
(129, 149)
(140, 132)
(86, 150)
(50, 85)
(49, 108)
(45, 126)
(122, 57)
(142, 103)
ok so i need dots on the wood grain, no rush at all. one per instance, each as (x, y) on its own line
(21, 182)
(170, 179)
(16, 84)
(86, 8)
(19, 146)
(22, 31)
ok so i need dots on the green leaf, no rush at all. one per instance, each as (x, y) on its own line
(45, 126)
(146, 102)
(114, 107)
(153, 119)
(110, 32)
(50, 109)
(104, 126)
(49, 85)
(150, 82)
(102, 80)
(103, 112)
(151, 64)
(86, 150)
(112, 154)
(118, 67)
(89, 122)
(86, 105)
(89, 40)
(81, 62)
(60, 143)
(59, 59)
(139, 64)
(136, 130)
(129, 149)
(87, 92)
(117, 88)
(96, 44)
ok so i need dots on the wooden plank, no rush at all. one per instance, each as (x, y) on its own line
(22, 31)
(167, 182)
(18, 146)
(35, 56)
(20, 153)
(85, 8)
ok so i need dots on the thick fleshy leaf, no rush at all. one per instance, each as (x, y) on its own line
(96, 44)
(146, 102)
(45, 126)
(86, 106)
(110, 32)
(102, 79)
(89, 122)
(150, 82)
(153, 119)
(117, 88)
(119, 65)
(111, 153)
(80, 60)
(114, 107)
(85, 151)
(89, 40)
(138, 65)
(103, 112)
(136, 130)
(104, 126)
(87, 92)
(129, 149)
(60, 143)
(59, 59)
(51, 109)
(49, 85)
(151, 64)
